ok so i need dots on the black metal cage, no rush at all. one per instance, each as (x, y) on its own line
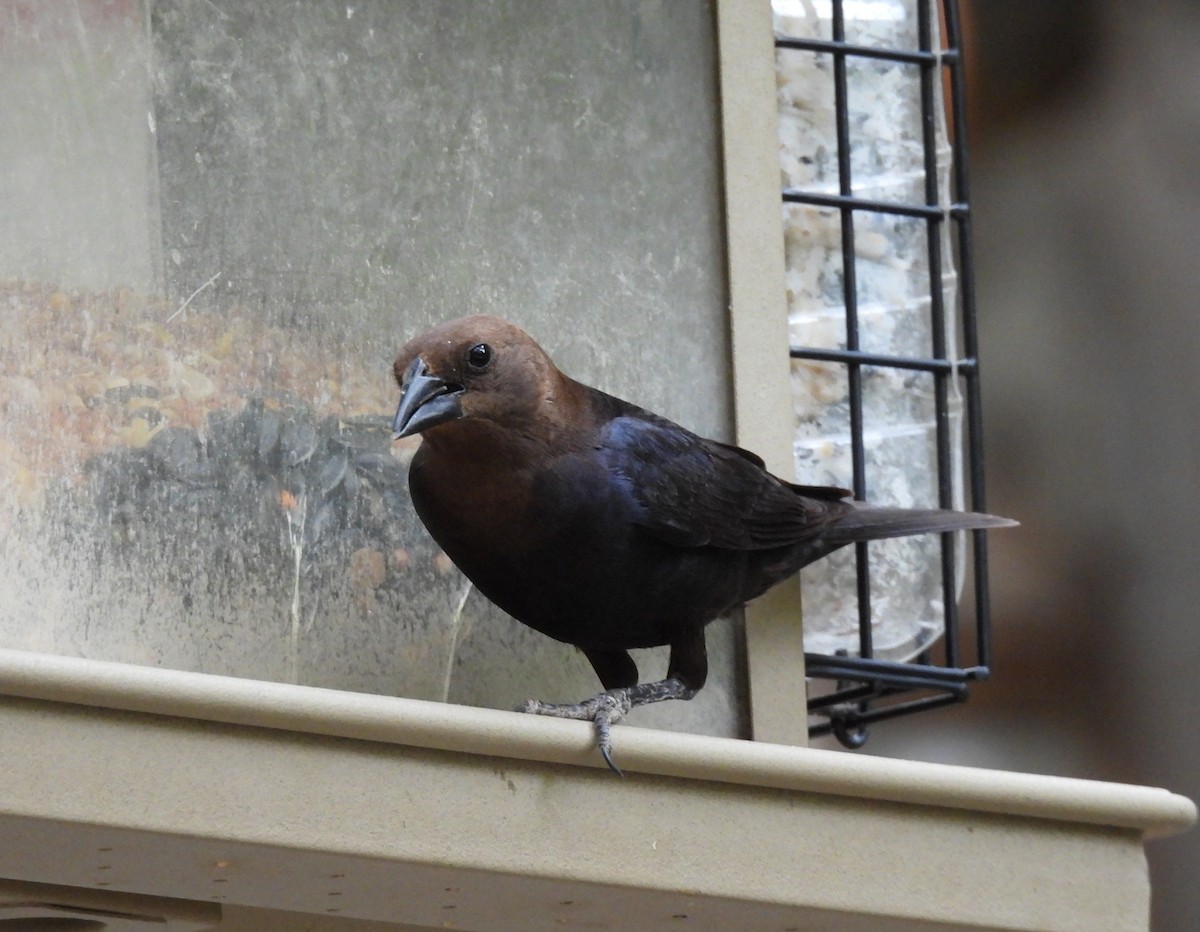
(853, 691)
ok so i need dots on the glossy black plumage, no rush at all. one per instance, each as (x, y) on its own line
(599, 523)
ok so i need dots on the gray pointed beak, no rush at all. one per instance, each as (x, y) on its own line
(425, 401)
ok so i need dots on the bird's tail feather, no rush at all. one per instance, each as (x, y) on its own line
(873, 522)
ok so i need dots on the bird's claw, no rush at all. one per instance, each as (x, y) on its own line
(603, 710)
(606, 753)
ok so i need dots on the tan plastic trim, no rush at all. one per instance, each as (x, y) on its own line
(1153, 812)
(758, 326)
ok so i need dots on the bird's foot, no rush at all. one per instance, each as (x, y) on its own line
(607, 708)
(604, 710)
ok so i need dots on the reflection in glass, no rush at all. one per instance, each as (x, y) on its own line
(222, 221)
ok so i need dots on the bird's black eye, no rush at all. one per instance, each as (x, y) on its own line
(478, 356)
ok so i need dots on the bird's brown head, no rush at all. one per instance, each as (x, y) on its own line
(475, 368)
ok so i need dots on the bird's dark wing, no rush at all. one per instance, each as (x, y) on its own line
(693, 492)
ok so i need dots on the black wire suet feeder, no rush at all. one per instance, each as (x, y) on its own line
(857, 684)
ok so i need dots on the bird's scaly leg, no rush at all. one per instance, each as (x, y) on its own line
(607, 708)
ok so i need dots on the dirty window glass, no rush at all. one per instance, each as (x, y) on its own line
(218, 222)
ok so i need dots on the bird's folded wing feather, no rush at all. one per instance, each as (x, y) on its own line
(693, 492)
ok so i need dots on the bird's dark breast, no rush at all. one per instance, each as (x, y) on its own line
(600, 586)
(561, 553)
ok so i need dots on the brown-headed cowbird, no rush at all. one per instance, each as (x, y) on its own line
(599, 523)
